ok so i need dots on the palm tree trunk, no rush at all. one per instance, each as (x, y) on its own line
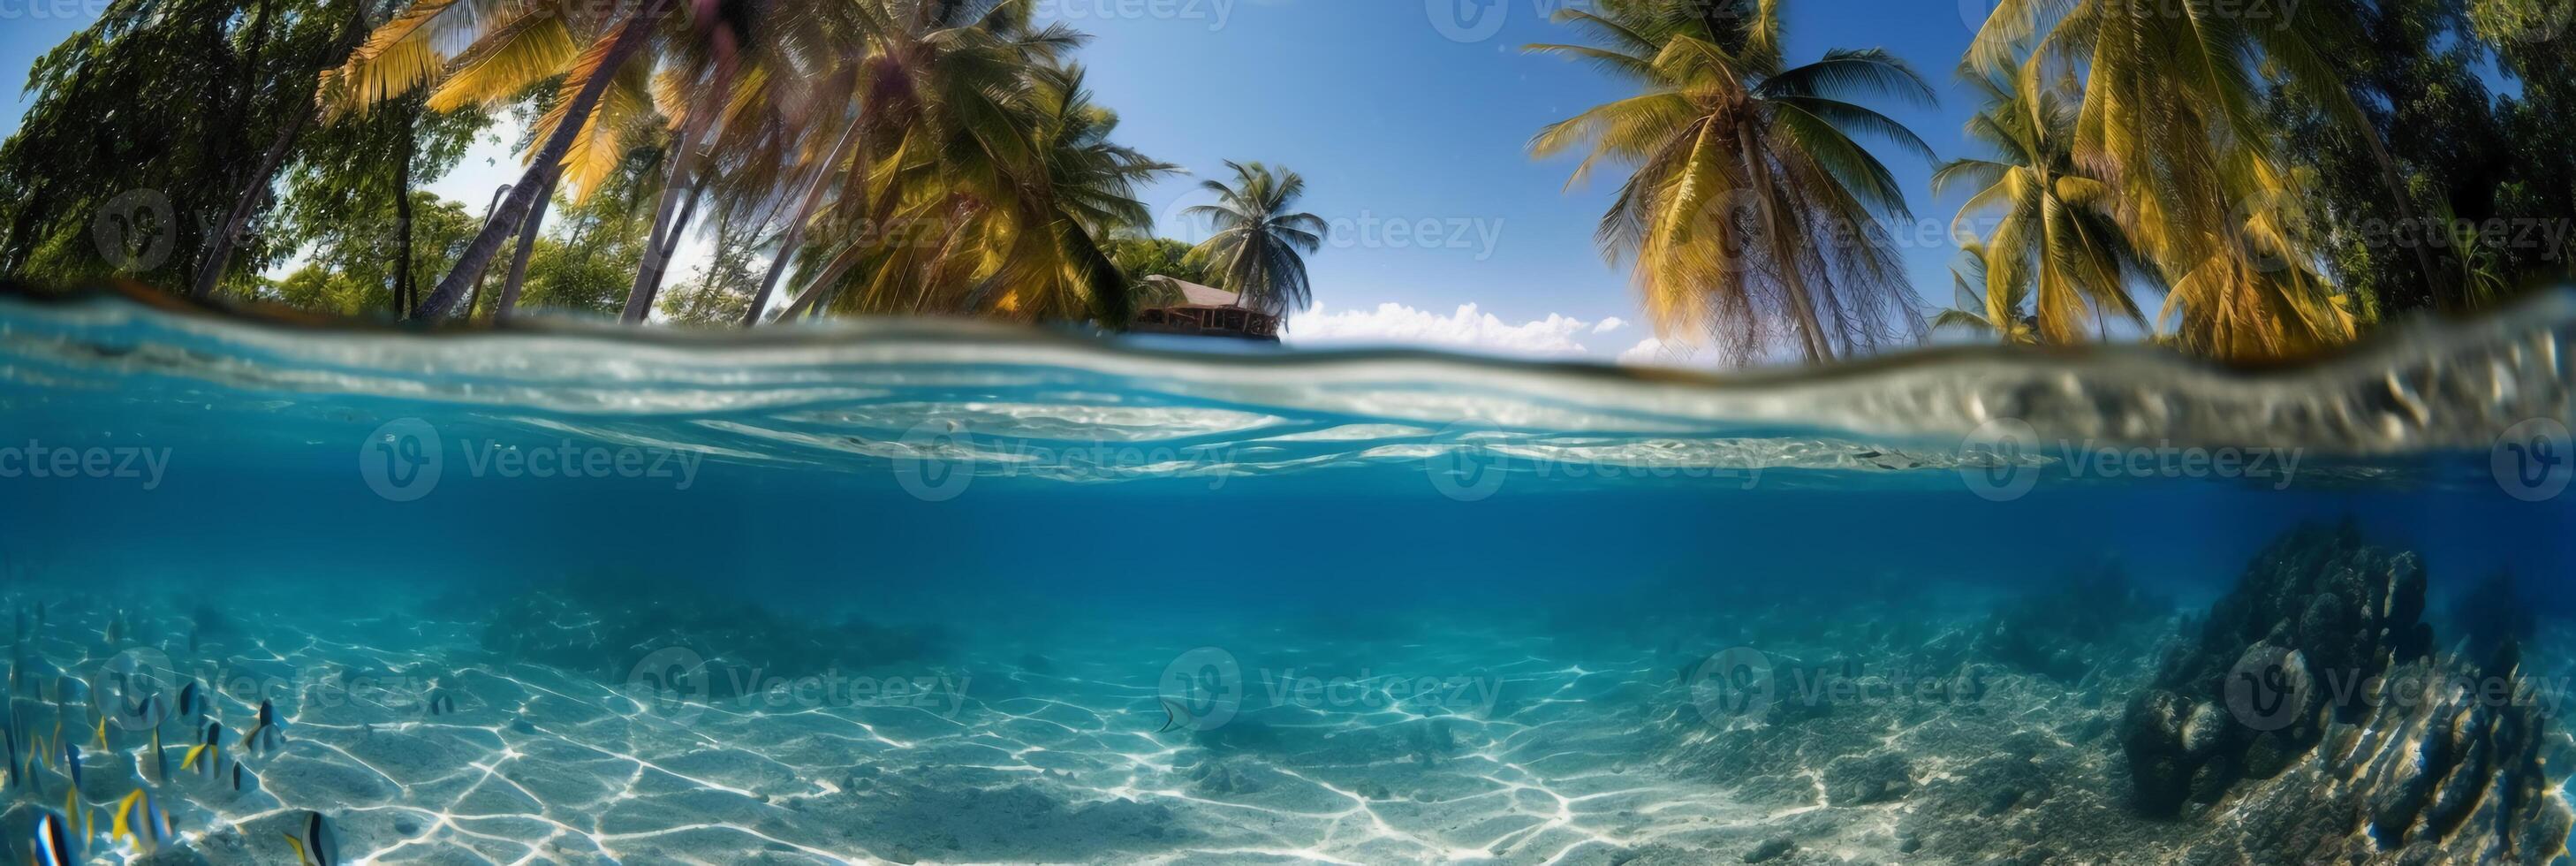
(219, 252)
(484, 279)
(795, 233)
(516, 210)
(219, 255)
(403, 287)
(1801, 304)
(648, 279)
(666, 229)
(519, 260)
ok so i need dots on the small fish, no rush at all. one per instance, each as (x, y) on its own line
(147, 715)
(102, 734)
(441, 704)
(55, 845)
(116, 629)
(1176, 714)
(211, 752)
(317, 846)
(213, 733)
(79, 817)
(139, 817)
(191, 704)
(240, 777)
(10, 736)
(72, 764)
(264, 736)
(160, 761)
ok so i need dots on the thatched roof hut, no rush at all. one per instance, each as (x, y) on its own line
(1206, 311)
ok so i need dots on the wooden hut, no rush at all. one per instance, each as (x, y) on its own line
(1205, 311)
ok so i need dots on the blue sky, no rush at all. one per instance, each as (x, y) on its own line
(1392, 109)
(1396, 111)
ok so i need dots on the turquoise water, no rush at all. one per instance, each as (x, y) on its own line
(939, 593)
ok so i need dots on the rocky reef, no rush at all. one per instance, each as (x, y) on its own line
(2307, 716)
(2274, 663)
(2311, 705)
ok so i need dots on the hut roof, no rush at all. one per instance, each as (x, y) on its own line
(1197, 295)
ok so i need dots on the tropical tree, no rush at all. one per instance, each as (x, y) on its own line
(719, 293)
(2172, 119)
(983, 178)
(1999, 310)
(1751, 205)
(509, 48)
(1260, 242)
(1141, 258)
(2053, 229)
(150, 118)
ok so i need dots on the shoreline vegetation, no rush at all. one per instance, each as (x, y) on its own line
(2237, 182)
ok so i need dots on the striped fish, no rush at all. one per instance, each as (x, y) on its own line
(316, 846)
(55, 843)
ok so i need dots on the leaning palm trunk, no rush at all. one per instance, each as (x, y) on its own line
(519, 261)
(1793, 279)
(219, 252)
(546, 167)
(219, 256)
(665, 236)
(795, 233)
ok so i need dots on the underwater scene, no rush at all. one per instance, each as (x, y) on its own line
(919, 592)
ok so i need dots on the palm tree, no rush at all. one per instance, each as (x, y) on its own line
(510, 47)
(1750, 203)
(1258, 249)
(2055, 228)
(982, 180)
(2172, 119)
(1996, 309)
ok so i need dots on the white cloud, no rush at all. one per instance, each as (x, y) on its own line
(1469, 328)
(1649, 351)
(1656, 352)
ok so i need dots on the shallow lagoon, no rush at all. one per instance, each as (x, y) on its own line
(932, 594)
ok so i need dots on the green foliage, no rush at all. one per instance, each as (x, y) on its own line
(169, 105)
(719, 293)
(1142, 257)
(350, 269)
(2414, 74)
(1261, 242)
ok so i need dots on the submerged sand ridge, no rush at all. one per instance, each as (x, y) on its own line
(1912, 726)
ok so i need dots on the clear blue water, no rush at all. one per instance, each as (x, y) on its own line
(943, 594)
